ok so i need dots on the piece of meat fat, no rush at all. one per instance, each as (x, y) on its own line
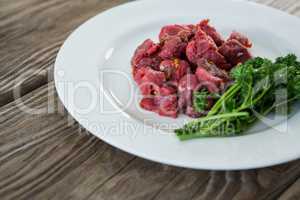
(173, 48)
(235, 52)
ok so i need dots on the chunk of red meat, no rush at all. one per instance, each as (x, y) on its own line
(152, 61)
(173, 48)
(191, 51)
(174, 69)
(217, 58)
(235, 52)
(148, 103)
(185, 100)
(146, 56)
(198, 47)
(188, 82)
(244, 40)
(146, 49)
(182, 68)
(182, 31)
(204, 47)
(149, 80)
(162, 73)
(167, 90)
(185, 104)
(211, 31)
(208, 81)
(212, 87)
(204, 42)
(205, 76)
(167, 66)
(213, 69)
(163, 105)
(167, 105)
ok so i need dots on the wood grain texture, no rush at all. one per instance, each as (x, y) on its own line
(46, 156)
(293, 193)
(31, 33)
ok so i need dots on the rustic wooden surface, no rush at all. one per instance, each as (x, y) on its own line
(48, 156)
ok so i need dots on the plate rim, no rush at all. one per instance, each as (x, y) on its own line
(141, 155)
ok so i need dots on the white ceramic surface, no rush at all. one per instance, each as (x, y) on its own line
(92, 77)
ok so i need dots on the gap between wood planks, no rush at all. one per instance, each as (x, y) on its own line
(32, 36)
(34, 60)
(44, 58)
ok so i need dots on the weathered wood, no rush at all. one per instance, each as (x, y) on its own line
(31, 33)
(293, 193)
(140, 180)
(45, 156)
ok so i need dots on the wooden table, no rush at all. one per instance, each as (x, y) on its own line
(47, 155)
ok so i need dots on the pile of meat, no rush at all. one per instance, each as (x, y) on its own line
(188, 58)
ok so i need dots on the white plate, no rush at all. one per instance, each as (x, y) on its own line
(93, 80)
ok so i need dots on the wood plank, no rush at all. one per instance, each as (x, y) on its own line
(133, 183)
(45, 157)
(140, 180)
(31, 33)
(31, 37)
(293, 193)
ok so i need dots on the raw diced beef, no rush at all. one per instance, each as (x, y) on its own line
(163, 105)
(188, 58)
(235, 52)
(185, 104)
(174, 69)
(241, 38)
(173, 48)
(203, 46)
(188, 82)
(199, 46)
(211, 31)
(146, 56)
(167, 90)
(204, 42)
(152, 62)
(208, 81)
(216, 58)
(213, 69)
(185, 99)
(205, 76)
(182, 31)
(167, 105)
(209, 86)
(191, 51)
(149, 80)
(211, 77)
(148, 103)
